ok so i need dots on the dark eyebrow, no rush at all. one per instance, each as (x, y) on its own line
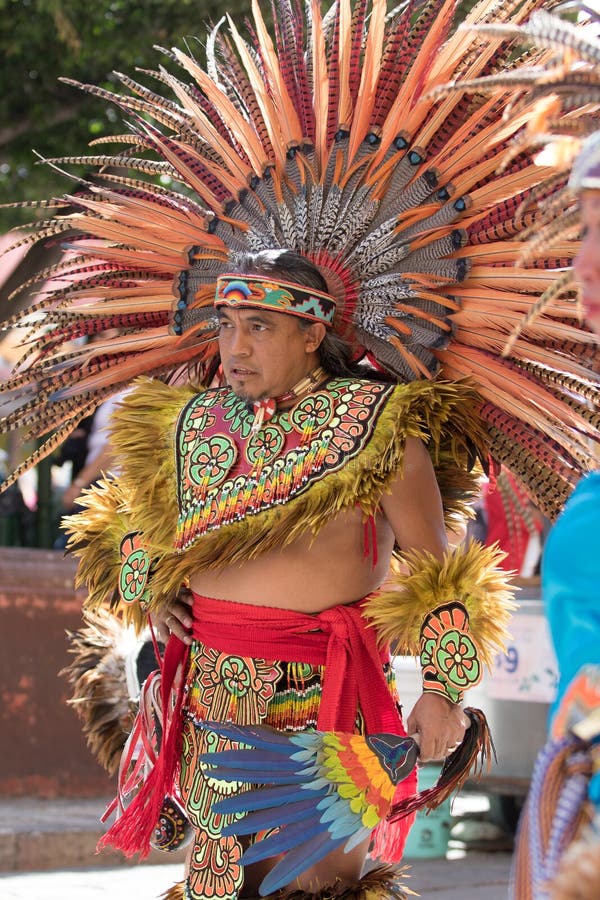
(263, 320)
(256, 317)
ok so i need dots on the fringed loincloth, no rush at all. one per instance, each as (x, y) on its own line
(253, 664)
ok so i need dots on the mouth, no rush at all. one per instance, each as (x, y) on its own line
(241, 372)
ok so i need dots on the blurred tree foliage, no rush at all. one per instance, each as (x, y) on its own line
(41, 40)
(86, 40)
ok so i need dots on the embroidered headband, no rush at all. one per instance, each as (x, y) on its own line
(585, 175)
(240, 291)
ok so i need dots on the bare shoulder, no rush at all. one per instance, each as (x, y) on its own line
(413, 505)
(416, 458)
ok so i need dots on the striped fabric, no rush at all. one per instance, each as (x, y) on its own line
(555, 812)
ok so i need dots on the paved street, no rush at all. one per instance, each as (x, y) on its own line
(477, 876)
(57, 838)
(121, 883)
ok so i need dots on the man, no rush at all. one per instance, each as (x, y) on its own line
(557, 847)
(269, 487)
(329, 138)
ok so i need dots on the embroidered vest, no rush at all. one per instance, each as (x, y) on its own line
(225, 473)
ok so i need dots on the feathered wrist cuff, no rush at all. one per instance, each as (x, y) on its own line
(114, 565)
(452, 613)
(135, 571)
(449, 655)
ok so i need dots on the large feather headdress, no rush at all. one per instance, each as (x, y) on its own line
(560, 97)
(325, 137)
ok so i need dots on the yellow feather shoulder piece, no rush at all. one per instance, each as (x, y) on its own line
(469, 574)
(140, 500)
(95, 538)
(143, 438)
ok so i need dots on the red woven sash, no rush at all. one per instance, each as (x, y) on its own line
(337, 638)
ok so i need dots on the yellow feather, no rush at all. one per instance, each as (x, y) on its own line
(470, 575)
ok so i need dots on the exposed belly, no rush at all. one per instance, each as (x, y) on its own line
(309, 575)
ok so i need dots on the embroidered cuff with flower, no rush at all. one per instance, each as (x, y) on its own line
(449, 655)
(135, 571)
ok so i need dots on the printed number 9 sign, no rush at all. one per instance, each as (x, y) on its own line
(509, 661)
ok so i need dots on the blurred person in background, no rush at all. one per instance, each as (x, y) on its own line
(558, 845)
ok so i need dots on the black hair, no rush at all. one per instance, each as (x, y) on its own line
(284, 264)
(335, 353)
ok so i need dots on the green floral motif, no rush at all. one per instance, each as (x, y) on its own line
(267, 443)
(133, 576)
(236, 676)
(211, 460)
(316, 409)
(454, 656)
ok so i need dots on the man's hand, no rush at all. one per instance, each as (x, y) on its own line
(438, 724)
(176, 618)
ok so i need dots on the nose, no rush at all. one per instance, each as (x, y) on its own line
(239, 345)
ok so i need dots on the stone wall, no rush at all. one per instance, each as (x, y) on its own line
(42, 751)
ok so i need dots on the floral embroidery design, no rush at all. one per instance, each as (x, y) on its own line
(227, 688)
(135, 569)
(232, 688)
(226, 473)
(449, 655)
(211, 461)
(316, 409)
(265, 445)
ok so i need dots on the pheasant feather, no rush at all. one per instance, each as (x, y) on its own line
(391, 151)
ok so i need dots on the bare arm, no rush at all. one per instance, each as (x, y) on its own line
(413, 509)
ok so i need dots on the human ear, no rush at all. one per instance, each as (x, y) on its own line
(313, 336)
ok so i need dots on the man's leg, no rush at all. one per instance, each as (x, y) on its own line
(336, 877)
(336, 868)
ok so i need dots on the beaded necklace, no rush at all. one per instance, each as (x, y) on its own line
(264, 410)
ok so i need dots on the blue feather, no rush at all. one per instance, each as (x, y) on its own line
(361, 835)
(267, 797)
(317, 784)
(262, 736)
(252, 760)
(344, 827)
(253, 822)
(285, 839)
(307, 739)
(297, 861)
(327, 801)
(338, 810)
(246, 776)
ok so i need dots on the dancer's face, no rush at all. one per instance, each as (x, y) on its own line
(587, 262)
(264, 353)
